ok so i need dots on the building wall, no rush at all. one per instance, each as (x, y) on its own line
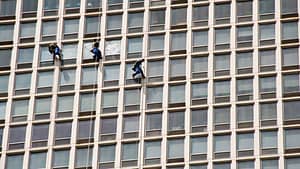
(220, 92)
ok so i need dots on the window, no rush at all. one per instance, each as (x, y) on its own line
(92, 26)
(14, 161)
(2, 116)
(267, 87)
(39, 135)
(266, 9)
(22, 83)
(156, 45)
(42, 108)
(64, 106)
(221, 118)
(200, 15)
(19, 110)
(244, 11)
(114, 4)
(244, 36)
(62, 133)
(30, 6)
(175, 150)
(152, 152)
(89, 77)
(129, 79)
(178, 18)
(84, 157)
(222, 65)
(70, 28)
(289, 8)
(177, 69)
(290, 84)
(109, 101)
(154, 97)
(44, 81)
(114, 24)
(5, 57)
(37, 160)
(290, 58)
(131, 126)
(244, 89)
(7, 9)
(135, 22)
(72, 4)
(50, 7)
(244, 62)
(268, 114)
(290, 112)
(69, 53)
(25, 58)
(222, 13)
(60, 158)
(176, 123)
(245, 164)
(222, 91)
(244, 115)
(85, 131)
(292, 163)
(245, 143)
(136, 3)
(178, 43)
(221, 165)
(268, 142)
(16, 137)
(112, 49)
(267, 60)
(46, 59)
(221, 146)
(289, 32)
(132, 99)
(199, 67)
(198, 166)
(107, 156)
(111, 75)
(157, 2)
(67, 79)
(108, 128)
(291, 137)
(200, 41)
(222, 38)
(267, 34)
(199, 93)
(27, 32)
(93, 5)
(198, 148)
(157, 20)
(49, 29)
(198, 120)
(155, 70)
(153, 124)
(129, 154)
(4, 85)
(176, 95)
(87, 103)
(6, 33)
(134, 47)
(269, 164)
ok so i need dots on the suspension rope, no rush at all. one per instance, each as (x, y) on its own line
(94, 96)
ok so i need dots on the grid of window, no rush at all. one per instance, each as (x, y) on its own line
(222, 85)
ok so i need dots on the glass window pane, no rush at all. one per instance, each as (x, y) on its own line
(267, 31)
(290, 83)
(289, 30)
(72, 3)
(267, 84)
(221, 143)
(266, 6)
(268, 111)
(85, 129)
(245, 113)
(20, 107)
(222, 10)
(199, 90)
(87, 102)
(200, 38)
(65, 103)
(7, 7)
(152, 149)
(177, 67)
(110, 99)
(29, 5)
(155, 68)
(244, 60)
(23, 81)
(176, 121)
(27, 30)
(45, 79)
(246, 165)
(221, 115)
(199, 117)
(178, 41)
(70, 51)
(92, 24)
(221, 166)
(244, 8)
(198, 145)
(25, 55)
(40, 132)
(2, 112)
(14, 162)
(157, 17)
(114, 22)
(176, 94)
(291, 110)
(290, 56)
(67, 77)
(38, 160)
(112, 47)
(222, 62)
(178, 16)
(42, 105)
(153, 121)
(111, 72)
(289, 6)
(5, 57)
(50, 5)
(49, 27)
(222, 36)
(130, 151)
(245, 141)
(108, 125)
(89, 76)
(267, 57)
(60, 158)
(17, 134)
(6, 32)
(156, 42)
(154, 94)
(199, 64)
(200, 13)
(269, 164)
(135, 20)
(292, 163)
(84, 157)
(4, 83)
(71, 26)
(132, 97)
(244, 86)
(63, 130)
(175, 148)
(107, 153)
(130, 124)
(269, 139)
(222, 88)
(93, 3)
(135, 45)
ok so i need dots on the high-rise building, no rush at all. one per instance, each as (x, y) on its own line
(222, 86)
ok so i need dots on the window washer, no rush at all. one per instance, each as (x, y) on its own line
(56, 52)
(138, 72)
(97, 53)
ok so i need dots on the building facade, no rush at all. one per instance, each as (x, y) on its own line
(222, 86)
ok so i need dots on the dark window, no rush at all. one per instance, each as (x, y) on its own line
(114, 24)
(39, 135)
(222, 38)
(85, 131)
(16, 137)
(7, 8)
(290, 112)
(244, 89)
(244, 62)
(156, 45)
(245, 143)
(289, 8)
(108, 128)
(244, 11)
(176, 122)
(178, 18)
(244, 116)
(221, 146)
(106, 156)
(222, 64)
(266, 60)
(157, 20)
(268, 114)
(266, 9)
(6, 33)
(221, 118)
(222, 13)
(200, 15)
(200, 41)
(153, 124)
(63, 133)
(135, 22)
(244, 36)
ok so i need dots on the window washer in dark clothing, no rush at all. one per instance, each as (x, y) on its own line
(97, 53)
(56, 52)
(138, 71)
